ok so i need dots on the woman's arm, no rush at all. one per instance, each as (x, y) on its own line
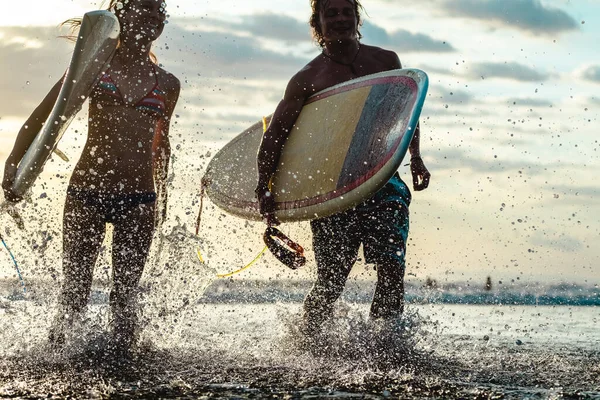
(25, 137)
(161, 149)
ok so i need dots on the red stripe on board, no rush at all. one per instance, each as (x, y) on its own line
(297, 204)
(343, 190)
(407, 81)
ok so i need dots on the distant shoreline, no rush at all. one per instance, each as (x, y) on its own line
(232, 291)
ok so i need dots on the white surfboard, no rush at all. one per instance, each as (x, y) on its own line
(346, 144)
(96, 43)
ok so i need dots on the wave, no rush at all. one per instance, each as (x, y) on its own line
(294, 291)
(261, 291)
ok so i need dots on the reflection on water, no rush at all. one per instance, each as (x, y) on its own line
(236, 338)
(255, 350)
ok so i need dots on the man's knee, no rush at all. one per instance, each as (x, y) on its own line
(391, 268)
(326, 290)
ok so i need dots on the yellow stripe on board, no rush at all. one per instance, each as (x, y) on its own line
(336, 118)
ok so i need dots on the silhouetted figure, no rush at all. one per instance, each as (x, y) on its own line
(488, 284)
(431, 283)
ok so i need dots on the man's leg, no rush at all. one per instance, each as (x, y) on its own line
(385, 245)
(133, 231)
(336, 249)
(388, 300)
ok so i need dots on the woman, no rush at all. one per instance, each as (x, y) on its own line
(114, 181)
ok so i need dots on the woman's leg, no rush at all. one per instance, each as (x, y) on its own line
(83, 232)
(133, 231)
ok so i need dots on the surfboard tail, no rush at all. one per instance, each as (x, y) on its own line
(96, 43)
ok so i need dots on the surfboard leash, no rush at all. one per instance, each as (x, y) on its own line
(276, 242)
(244, 267)
(203, 186)
(15, 263)
(274, 239)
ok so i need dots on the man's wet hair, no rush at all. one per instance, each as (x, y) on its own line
(314, 19)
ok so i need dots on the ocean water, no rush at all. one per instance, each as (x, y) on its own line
(222, 346)
(203, 337)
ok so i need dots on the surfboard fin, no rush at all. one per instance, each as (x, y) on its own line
(62, 155)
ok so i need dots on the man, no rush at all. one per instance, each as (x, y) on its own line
(381, 222)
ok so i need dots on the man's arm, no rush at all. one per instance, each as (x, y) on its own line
(274, 138)
(420, 174)
(25, 137)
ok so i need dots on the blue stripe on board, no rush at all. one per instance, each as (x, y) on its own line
(372, 146)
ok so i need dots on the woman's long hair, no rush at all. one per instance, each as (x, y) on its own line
(73, 24)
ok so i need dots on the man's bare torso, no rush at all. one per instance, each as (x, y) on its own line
(322, 72)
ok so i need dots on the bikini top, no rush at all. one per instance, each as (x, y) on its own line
(107, 93)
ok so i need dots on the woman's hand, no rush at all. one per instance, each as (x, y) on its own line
(10, 172)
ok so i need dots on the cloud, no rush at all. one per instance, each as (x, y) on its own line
(432, 70)
(590, 73)
(265, 25)
(454, 159)
(507, 70)
(455, 97)
(528, 102)
(403, 40)
(583, 190)
(528, 15)
(218, 54)
(275, 26)
(556, 240)
(33, 59)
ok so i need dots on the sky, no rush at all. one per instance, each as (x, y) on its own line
(509, 127)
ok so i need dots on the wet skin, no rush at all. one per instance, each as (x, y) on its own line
(126, 152)
(343, 58)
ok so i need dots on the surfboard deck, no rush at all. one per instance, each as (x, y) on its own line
(96, 43)
(346, 144)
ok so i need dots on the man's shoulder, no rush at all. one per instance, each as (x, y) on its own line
(308, 71)
(384, 56)
(307, 76)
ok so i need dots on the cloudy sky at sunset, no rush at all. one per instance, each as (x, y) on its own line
(509, 128)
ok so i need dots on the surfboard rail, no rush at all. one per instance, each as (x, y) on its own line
(96, 43)
(348, 141)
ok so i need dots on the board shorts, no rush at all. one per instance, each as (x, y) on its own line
(380, 224)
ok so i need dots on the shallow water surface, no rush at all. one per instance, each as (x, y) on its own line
(256, 351)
